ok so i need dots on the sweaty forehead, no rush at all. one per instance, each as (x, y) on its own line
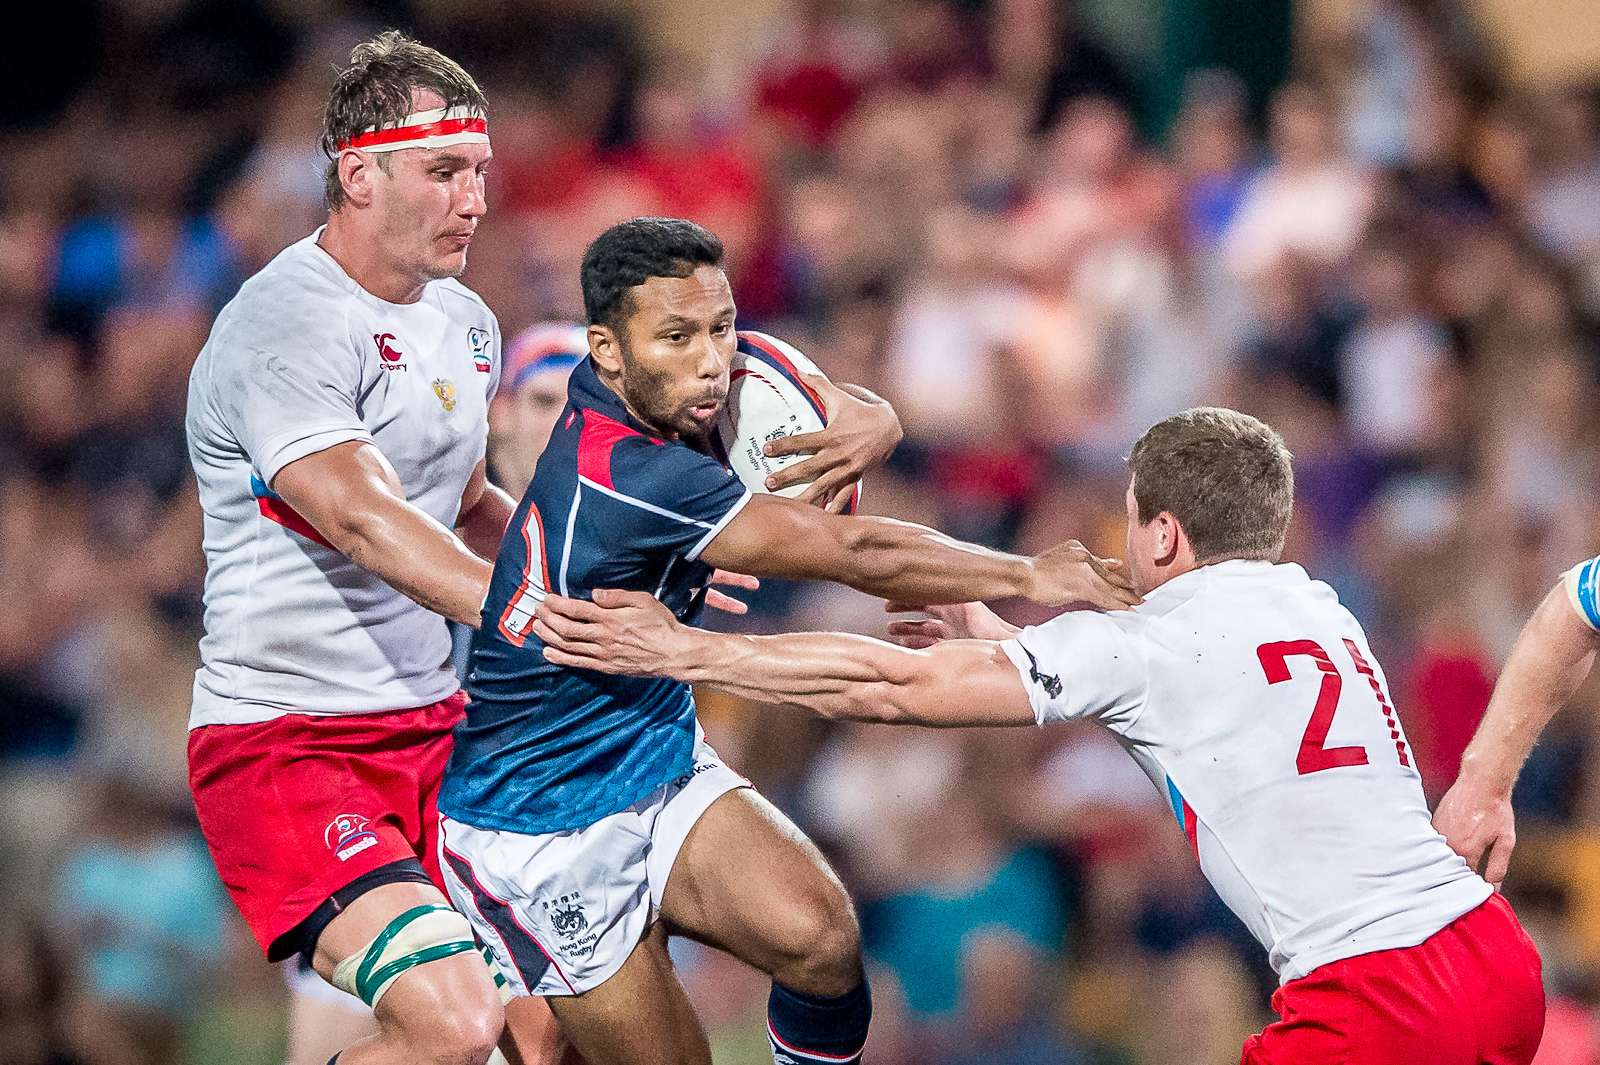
(459, 155)
(701, 296)
(425, 100)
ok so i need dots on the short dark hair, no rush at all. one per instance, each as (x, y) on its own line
(632, 252)
(1227, 477)
(375, 91)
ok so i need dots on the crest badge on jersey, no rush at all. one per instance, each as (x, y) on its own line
(478, 341)
(390, 357)
(445, 389)
(348, 835)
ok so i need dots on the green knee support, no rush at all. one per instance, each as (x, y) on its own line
(419, 935)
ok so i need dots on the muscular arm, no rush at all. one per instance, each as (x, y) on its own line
(1551, 658)
(485, 512)
(955, 683)
(777, 537)
(352, 496)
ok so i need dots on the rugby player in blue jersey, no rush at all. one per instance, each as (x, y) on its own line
(584, 815)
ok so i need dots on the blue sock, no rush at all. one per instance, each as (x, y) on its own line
(812, 1030)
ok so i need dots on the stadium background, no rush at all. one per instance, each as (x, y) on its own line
(1036, 226)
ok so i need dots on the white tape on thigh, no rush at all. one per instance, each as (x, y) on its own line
(420, 935)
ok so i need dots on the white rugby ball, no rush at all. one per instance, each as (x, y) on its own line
(767, 400)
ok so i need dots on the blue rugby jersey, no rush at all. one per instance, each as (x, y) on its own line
(546, 748)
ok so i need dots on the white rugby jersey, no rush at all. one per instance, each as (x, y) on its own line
(304, 358)
(1249, 696)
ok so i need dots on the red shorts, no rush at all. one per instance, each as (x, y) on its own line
(295, 808)
(1470, 994)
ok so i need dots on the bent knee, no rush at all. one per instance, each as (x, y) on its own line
(468, 1038)
(819, 946)
(447, 1012)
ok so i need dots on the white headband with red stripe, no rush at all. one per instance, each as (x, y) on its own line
(437, 128)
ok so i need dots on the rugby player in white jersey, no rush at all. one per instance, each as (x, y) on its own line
(1552, 657)
(336, 425)
(1249, 696)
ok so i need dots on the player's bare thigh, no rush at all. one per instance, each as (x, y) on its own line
(639, 1016)
(748, 881)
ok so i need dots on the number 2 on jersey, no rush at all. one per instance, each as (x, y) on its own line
(1315, 755)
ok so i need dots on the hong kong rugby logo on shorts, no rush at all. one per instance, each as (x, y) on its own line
(478, 341)
(566, 916)
(348, 835)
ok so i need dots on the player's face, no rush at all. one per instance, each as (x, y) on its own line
(520, 425)
(674, 348)
(429, 204)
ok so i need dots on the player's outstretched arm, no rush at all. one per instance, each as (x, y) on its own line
(777, 537)
(862, 432)
(836, 675)
(1552, 656)
(353, 497)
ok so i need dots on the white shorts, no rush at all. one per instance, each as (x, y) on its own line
(563, 910)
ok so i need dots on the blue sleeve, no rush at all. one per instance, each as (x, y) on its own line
(676, 499)
(1583, 591)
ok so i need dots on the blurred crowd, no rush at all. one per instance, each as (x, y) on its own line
(982, 209)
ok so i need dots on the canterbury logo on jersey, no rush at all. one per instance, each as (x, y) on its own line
(1048, 681)
(389, 357)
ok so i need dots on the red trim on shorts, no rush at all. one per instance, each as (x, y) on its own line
(454, 861)
(477, 886)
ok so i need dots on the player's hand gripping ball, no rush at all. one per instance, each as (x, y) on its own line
(769, 399)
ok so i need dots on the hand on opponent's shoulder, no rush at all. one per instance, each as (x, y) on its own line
(1081, 570)
(1071, 573)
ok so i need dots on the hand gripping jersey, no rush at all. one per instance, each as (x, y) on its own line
(550, 749)
(304, 358)
(1249, 696)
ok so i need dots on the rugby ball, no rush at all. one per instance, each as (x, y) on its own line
(769, 399)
